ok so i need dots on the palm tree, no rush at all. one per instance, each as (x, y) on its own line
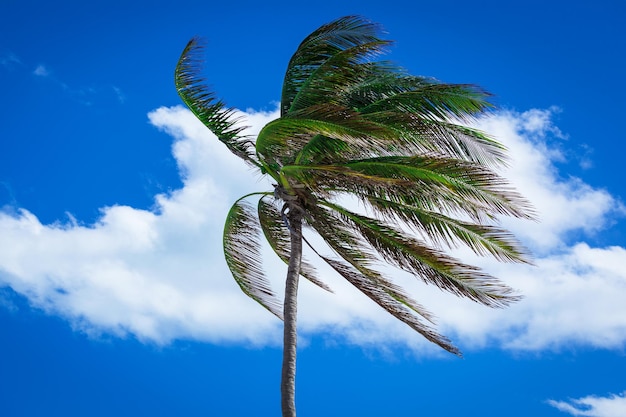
(352, 125)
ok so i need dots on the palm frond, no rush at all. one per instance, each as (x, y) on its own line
(430, 265)
(321, 149)
(432, 183)
(349, 246)
(334, 78)
(453, 179)
(431, 100)
(382, 84)
(482, 239)
(277, 235)
(416, 135)
(208, 109)
(407, 135)
(242, 253)
(426, 113)
(280, 140)
(323, 43)
(380, 296)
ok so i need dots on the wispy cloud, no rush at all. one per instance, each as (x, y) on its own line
(10, 61)
(121, 97)
(87, 95)
(159, 274)
(41, 71)
(613, 405)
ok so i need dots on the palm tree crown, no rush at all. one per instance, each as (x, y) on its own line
(353, 125)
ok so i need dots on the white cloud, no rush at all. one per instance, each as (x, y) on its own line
(156, 274)
(564, 205)
(593, 406)
(160, 274)
(574, 298)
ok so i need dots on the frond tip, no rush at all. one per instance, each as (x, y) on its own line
(394, 302)
(204, 104)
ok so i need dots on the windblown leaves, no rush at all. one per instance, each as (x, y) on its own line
(357, 269)
(280, 141)
(436, 184)
(378, 293)
(354, 125)
(432, 266)
(242, 252)
(483, 239)
(321, 45)
(205, 105)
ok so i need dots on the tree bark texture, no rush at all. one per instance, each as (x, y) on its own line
(288, 381)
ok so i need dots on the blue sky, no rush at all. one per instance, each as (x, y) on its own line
(115, 299)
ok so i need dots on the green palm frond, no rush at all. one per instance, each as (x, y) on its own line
(322, 149)
(334, 78)
(380, 296)
(443, 230)
(315, 49)
(242, 252)
(286, 136)
(405, 134)
(432, 183)
(351, 247)
(455, 180)
(207, 108)
(277, 236)
(330, 181)
(420, 109)
(432, 266)
(429, 99)
(416, 135)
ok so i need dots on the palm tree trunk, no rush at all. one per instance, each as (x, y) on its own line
(288, 382)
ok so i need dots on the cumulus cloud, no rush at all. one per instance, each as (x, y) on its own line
(160, 275)
(593, 406)
(156, 274)
(565, 205)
